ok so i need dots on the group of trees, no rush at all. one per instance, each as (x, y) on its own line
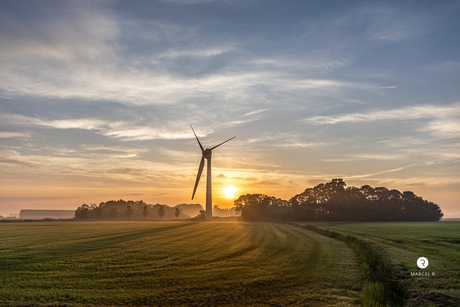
(260, 206)
(138, 210)
(333, 201)
(122, 210)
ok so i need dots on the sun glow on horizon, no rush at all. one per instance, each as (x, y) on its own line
(229, 191)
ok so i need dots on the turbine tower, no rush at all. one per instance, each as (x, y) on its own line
(206, 154)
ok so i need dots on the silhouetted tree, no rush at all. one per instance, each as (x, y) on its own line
(98, 210)
(113, 212)
(129, 211)
(202, 215)
(161, 211)
(103, 211)
(333, 201)
(177, 212)
(189, 209)
(145, 210)
(260, 206)
(82, 212)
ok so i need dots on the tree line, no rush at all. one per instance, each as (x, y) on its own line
(334, 201)
(135, 210)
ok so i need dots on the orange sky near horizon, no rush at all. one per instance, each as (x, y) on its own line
(71, 195)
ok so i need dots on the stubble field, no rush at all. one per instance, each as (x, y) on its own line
(218, 263)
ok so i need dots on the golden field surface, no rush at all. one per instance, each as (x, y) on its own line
(174, 263)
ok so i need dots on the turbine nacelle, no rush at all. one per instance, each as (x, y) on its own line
(207, 153)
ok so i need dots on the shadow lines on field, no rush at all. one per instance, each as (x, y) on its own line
(285, 244)
(262, 264)
(258, 243)
(66, 250)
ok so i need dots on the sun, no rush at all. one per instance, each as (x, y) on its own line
(229, 191)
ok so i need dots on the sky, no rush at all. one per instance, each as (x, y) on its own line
(97, 98)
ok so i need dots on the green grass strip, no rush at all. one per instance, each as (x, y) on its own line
(381, 287)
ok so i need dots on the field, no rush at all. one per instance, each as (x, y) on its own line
(218, 263)
(404, 243)
(174, 263)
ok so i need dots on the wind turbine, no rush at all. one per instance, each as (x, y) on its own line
(206, 154)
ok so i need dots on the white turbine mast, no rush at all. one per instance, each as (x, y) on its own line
(206, 154)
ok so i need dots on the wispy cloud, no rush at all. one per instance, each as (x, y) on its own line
(109, 148)
(139, 87)
(68, 59)
(87, 124)
(15, 158)
(125, 130)
(394, 170)
(324, 84)
(367, 157)
(146, 133)
(85, 35)
(266, 138)
(298, 144)
(206, 52)
(449, 66)
(316, 63)
(380, 157)
(338, 160)
(387, 23)
(254, 112)
(446, 126)
(406, 113)
(125, 151)
(14, 135)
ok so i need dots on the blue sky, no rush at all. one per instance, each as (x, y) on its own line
(96, 98)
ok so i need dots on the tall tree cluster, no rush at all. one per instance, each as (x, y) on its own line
(259, 206)
(334, 201)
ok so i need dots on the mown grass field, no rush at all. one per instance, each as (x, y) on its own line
(404, 243)
(218, 263)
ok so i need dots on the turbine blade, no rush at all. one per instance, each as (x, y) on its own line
(223, 142)
(200, 170)
(197, 140)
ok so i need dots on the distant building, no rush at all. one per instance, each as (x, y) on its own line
(47, 214)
